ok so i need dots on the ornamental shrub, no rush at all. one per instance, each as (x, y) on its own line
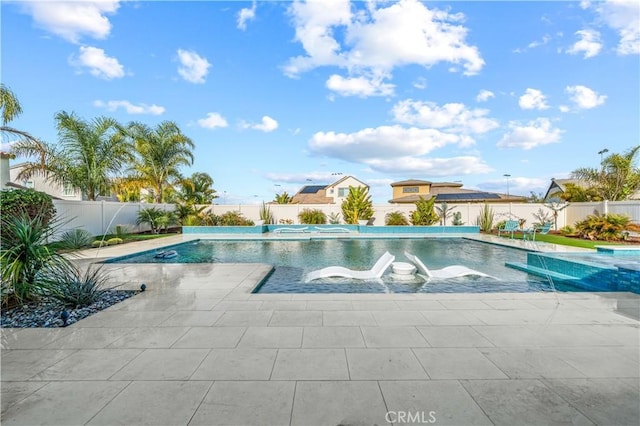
(26, 203)
(312, 217)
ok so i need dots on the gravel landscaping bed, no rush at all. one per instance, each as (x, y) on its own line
(47, 313)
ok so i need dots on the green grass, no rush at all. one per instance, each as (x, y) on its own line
(127, 238)
(566, 241)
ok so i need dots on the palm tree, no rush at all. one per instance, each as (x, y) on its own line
(617, 178)
(161, 152)
(283, 198)
(197, 189)
(90, 154)
(11, 108)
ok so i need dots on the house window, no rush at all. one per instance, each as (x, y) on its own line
(68, 191)
(410, 190)
(343, 192)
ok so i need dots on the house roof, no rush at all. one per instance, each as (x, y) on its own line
(339, 181)
(560, 185)
(411, 182)
(311, 189)
(459, 196)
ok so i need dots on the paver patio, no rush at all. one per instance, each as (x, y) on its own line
(198, 348)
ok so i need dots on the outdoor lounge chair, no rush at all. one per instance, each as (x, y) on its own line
(291, 230)
(509, 226)
(340, 271)
(331, 229)
(544, 229)
(453, 271)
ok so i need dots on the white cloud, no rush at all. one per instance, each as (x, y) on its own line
(623, 16)
(98, 63)
(436, 167)
(193, 68)
(130, 108)
(589, 43)
(213, 120)
(246, 14)
(413, 34)
(485, 95)
(537, 43)
(564, 108)
(267, 125)
(584, 97)
(533, 99)
(452, 117)
(73, 19)
(420, 83)
(530, 135)
(517, 185)
(359, 86)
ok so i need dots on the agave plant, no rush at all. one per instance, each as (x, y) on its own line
(357, 206)
(76, 239)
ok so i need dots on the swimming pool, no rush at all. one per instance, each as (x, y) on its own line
(293, 259)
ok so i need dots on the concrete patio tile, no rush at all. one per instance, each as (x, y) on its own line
(420, 305)
(541, 335)
(271, 337)
(296, 318)
(150, 337)
(451, 318)
(623, 334)
(329, 305)
(236, 364)
(63, 403)
(529, 363)
(22, 364)
(464, 304)
(393, 337)
(210, 337)
(110, 319)
(89, 364)
(599, 361)
(13, 392)
(457, 363)
(384, 364)
(153, 403)
(284, 305)
(332, 337)
(30, 338)
(88, 338)
(235, 305)
(162, 364)
(522, 402)
(374, 305)
(453, 337)
(192, 319)
(346, 318)
(338, 403)
(604, 401)
(310, 364)
(443, 401)
(393, 318)
(244, 318)
(513, 317)
(510, 304)
(246, 403)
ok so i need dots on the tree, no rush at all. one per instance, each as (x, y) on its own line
(11, 108)
(357, 205)
(424, 213)
(576, 193)
(283, 198)
(617, 178)
(160, 154)
(444, 212)
(535, 197)
(90, 154)
(197, 189)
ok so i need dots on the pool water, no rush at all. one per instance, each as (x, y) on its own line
(293, 259)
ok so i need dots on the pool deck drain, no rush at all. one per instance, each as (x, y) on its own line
(198, 348)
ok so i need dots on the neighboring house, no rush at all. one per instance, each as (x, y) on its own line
(559, 186)
(39, 183)
(410, 191)
(334, 193)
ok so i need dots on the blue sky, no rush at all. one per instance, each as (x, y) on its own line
(279, 94)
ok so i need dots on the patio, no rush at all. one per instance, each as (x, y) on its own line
(198, 348)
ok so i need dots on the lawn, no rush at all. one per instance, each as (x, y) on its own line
(127, 238)
(567, 241)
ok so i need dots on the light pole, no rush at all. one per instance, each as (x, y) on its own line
(507, 176)
(602, 152)
(224, 199)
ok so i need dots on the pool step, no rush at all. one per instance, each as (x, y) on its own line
(541, 272)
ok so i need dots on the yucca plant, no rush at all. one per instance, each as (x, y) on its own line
(23, 255)
(265, 214)
(395, 218)
(357, 206)
(76, 239)
(609, 227)
(424, 213)
(73, 287)
(485, 218)
(312, 217)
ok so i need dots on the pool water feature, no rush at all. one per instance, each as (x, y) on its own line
(293, 259)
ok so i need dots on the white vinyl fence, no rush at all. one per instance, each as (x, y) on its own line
(100, 217)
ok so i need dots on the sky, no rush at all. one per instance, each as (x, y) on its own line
(277, 95)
